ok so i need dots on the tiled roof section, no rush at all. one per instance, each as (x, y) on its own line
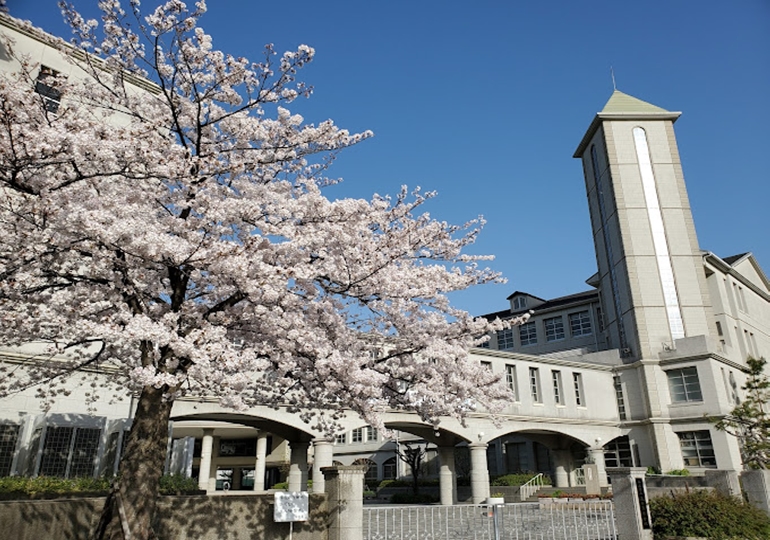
(585, 296)
(623, 103)
(734, 258)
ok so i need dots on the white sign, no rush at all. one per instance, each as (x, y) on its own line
(291, 506)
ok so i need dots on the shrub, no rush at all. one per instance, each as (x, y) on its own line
(709, 514)
(679, 472)
(177, 483)
(411, 498)
(517, 479)
(46, 486)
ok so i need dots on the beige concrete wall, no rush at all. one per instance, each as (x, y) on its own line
(242, 517)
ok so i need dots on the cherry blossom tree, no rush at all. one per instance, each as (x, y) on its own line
(165, 231)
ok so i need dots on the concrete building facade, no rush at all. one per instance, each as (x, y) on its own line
(625, 373)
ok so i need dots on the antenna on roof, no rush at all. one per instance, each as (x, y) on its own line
(612, 74)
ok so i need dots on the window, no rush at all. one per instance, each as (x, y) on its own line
(371, 433)
(619, 397)
(512, 380)
(238, 447)
(534, 384)
(684, 385)
(580, 324)
(341, 438)
(558, 393)
(45, 86)
(577, 382)
(389, 469)
(505, 339)
(370, 473)
(554, 328)
(520, 302)
(69, 452)
(357, 435)
(9, 434)
(719, 328)
(528, 334)
(486, 365)
(697, 450)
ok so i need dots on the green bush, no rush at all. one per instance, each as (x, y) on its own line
(408, 483)
(41, 486)
(48, 485)
(281, 485)
(679, 472)
(411, 498)
(517, 479)
(178, 483)
(709, 514)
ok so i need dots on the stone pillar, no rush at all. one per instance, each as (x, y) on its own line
(446, 475)
(345, 500)
(562, 460)
(596, 454)
(323, 456)
(632, 510)
(259, 464)
(298, 466)
(207, 448)
(756, 484)
(479, 473)
(724, 481)
(591, 475)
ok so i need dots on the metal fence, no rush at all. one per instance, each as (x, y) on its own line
(589, 520)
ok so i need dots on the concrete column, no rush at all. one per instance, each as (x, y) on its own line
(323, 456)
(479, 473)
(207, 447)
(259, 464)
(756, 483)
(562, 460)
(596, 454)
(298, 466)
(632, 510)
(446, 475)
(345, 499)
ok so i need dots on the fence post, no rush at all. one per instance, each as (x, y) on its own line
(345, 491)
(632, 511)
(756, 483)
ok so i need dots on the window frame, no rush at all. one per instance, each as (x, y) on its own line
(554, 329)
(528, 334)
(691, 392)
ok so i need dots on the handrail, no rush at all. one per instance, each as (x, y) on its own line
(531, 487)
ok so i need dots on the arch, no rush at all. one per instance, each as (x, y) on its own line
(371, 474)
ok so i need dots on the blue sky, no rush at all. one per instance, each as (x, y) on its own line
(485, 102)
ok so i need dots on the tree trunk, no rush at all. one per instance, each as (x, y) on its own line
(129, 511)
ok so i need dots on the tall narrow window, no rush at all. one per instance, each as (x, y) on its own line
(558, 392)
(534, 385)
(659, 241)
(371, 433)
(619, 397)
(9, 435)
(512, 380)
(357, 435)
(577, 382)
(46, 87)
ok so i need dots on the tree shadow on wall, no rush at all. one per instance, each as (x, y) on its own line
(234, 517)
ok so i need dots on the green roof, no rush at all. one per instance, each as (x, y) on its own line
(623, 103)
